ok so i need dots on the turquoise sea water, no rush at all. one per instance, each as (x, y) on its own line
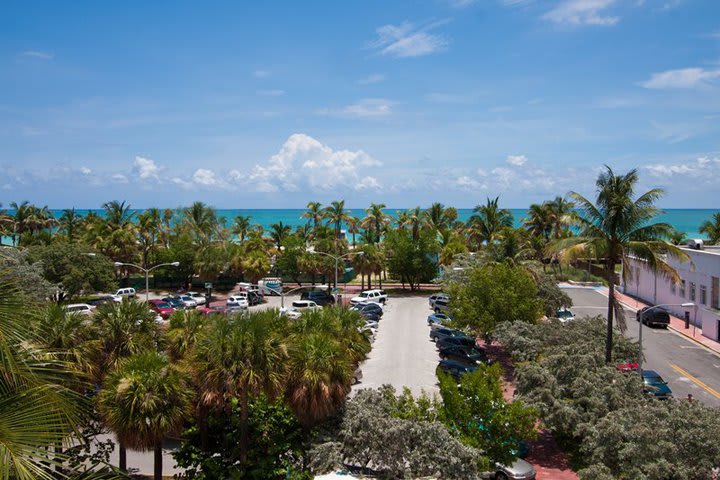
(684, 220)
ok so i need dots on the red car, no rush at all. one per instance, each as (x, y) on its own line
(163, 308)
(628, 367)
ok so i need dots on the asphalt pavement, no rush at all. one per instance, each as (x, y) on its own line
(686, 366)
(403, 354)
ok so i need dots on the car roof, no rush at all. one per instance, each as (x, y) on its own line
(650, 373)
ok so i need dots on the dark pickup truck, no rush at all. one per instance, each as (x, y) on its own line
(656, 317)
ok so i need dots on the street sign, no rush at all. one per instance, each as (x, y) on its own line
(208, 285)
(336, 290)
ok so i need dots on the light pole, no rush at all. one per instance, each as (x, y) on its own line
(642, 316)
(147, 273)
(337, 260)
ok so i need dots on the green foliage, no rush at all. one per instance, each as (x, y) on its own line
(275, 450)
(493, 294)
(411, 261)
(371, 435)
(289, 260)
(26, 277)
(552, 296)
(66, 265)
(183, 250)
(477, 411)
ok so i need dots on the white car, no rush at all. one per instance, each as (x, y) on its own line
(188, 301)
(126, 292)
(237, 302)
(198, 297)
(565, 315)
(300, 306)
(374, 296)
(82, 308)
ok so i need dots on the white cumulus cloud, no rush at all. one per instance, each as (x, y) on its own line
(517, 160)
(701, 167)
(408, 40)
(85, 170)
(145, 168)
(205, 177)
(305, 163)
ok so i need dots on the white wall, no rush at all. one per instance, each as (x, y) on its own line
(657, 290)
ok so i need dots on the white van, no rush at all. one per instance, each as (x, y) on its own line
(82, 308)
(126, 292)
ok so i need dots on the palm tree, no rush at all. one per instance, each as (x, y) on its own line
(148, 230)
(118, 331)
(70, 222)
(241, 226)
(335, 214)
(19, 220)
(314, 214)
(375, 221)
(239, 358)
(117, 214)
(142, 401)
(353, 224)
(414, 221)
(561, 216)
(278, 232)
(438, 218)
(488, 220)
(539, 221)
(401, 218)
(201, 221)
(616, 227)
(712, 228)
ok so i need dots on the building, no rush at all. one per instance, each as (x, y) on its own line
(699, 284)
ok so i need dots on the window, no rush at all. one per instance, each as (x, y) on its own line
(682, 288)
(673, 288)
(692, 291)
(703, 294)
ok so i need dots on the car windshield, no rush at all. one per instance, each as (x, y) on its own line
(364, 294)
(162, 305)
(654, 380)
(564, 314)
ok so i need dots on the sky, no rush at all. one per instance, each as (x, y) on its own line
(273, 104)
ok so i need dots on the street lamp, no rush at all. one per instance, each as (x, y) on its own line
(147, 273)
(642, 316)
(337, 260)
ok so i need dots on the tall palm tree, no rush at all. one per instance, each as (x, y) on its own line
(241, 226)
(238, 358)
(144, 400)
(278, 232)
(539, 221)
(488, 220)
(401, 218)
(335, 214)
(712, 228)
(414, 221)
(353, 224)
(19, 221)
(314, 214)
(117, 214)
(438, 218)
(201, 221)
(619, 226)
(70, 223)
(148, 233)
(561, 215)
(375, 221)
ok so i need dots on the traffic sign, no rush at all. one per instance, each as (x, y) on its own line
(208, 285)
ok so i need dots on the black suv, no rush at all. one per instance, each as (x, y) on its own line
(321, 297)
(656, 317)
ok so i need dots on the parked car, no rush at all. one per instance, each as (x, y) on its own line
(437, 334)
(215, 310)
(657, 317)
(565, 315)
(455, 368)
(190, 302)
(519, 470)
(237, 301)
(438, 319)
(126, 292)
(655, 386)
(300, 306)
(466, 341)
(161, 307)
(81, 308)
(369, 307)
(370, 316)
(435, 297)
(106, 298)
(175, 302)
(628, 367)
(441, 305)
(462, 353)
(197, 296)
(320, 297)
(374, 296)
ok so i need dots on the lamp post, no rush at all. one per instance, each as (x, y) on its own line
(147, 273)
(642, 316)
(337, 260)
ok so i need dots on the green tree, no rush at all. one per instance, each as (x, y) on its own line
(314, 214)
(476, 409)
(492, 294)
(70, 223)
(487, 221)
(616, 227)
(142, 401)
(335, 214)
(241, 227)
(711, 228)
(279, 232)
(412, 262)
(290, 259)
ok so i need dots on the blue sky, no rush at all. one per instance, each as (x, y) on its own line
(274, 104)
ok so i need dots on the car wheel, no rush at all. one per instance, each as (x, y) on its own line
(501, 476)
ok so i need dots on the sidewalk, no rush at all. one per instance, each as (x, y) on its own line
(545, 454)
(677, 324)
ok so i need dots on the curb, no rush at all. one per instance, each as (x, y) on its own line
(681, 332)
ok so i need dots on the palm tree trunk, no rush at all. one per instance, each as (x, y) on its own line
(122, 454)
(380, 279)
(610, 311)
(158, 462)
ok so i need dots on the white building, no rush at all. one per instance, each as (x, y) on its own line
(700, 284)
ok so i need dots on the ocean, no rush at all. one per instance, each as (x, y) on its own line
(687, 221)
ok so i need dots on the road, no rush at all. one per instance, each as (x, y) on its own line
(402, 354)
(687, 367)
